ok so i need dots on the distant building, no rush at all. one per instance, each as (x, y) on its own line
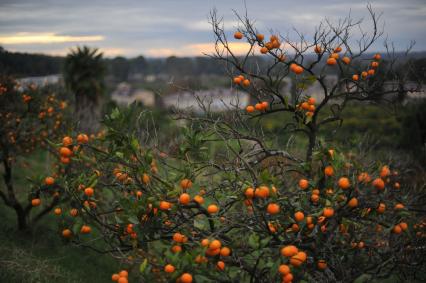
(125, 95)
(122, 89)
(415, 93)
(40, 81)
(215, 100)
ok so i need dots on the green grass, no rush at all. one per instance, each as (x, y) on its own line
(41, 255)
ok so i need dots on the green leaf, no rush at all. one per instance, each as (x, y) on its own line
(148, 157)
(133, 219)
(264, 242)
(363, 278)
(135, 144)
(200, 223)
(143, 265)
(253, 241)
(115, 113)
(93, 181)
(52, 143)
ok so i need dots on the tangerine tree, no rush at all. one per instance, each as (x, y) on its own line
(225, 201)
(28, 116)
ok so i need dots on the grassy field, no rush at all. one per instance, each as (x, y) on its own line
(40, 255)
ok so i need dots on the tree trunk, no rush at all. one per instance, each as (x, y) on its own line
(310, 149)
(11, 200)
(22, 220)
(88, 113)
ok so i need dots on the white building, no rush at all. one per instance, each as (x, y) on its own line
(215, 100)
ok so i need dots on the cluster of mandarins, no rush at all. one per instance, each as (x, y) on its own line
(68, 148)
(121, 277)
(308, 105)
(260, 106)
(295, 259)
(213, 248)
(335, 55)
(273, 43)
(66, 151)
(27, 117)
(371, 68)
(332, 60)
(241, 80)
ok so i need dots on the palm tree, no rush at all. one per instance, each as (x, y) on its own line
(84, 75)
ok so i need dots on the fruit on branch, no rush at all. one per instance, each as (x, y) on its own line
(374, 64)
(65, 152)
(186, 184)
(299, 216)
(331, 61)
(246, 82)
(273, 208)
(66, 233)
(82, 139)
(303, 184)
(49, 181)
(212, 209)
(329, 171)
(85, 229)
(289, 251)
(353, 202)
(317, 49)
(296, 69)
(250, 109)
(89, 191)
(381, 208)
(186, 278)
(328, 212)
(184, 199)
(344, 183)
(346, 60)
(337, 49)
(379, 184)
(67, 141)
(35, 202)
(334, 55)
(238, 35)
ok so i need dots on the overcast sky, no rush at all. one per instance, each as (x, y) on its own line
(157, 28)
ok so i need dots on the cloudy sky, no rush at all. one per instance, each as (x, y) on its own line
(157, 28)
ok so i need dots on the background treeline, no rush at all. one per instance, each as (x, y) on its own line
(122, 69)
